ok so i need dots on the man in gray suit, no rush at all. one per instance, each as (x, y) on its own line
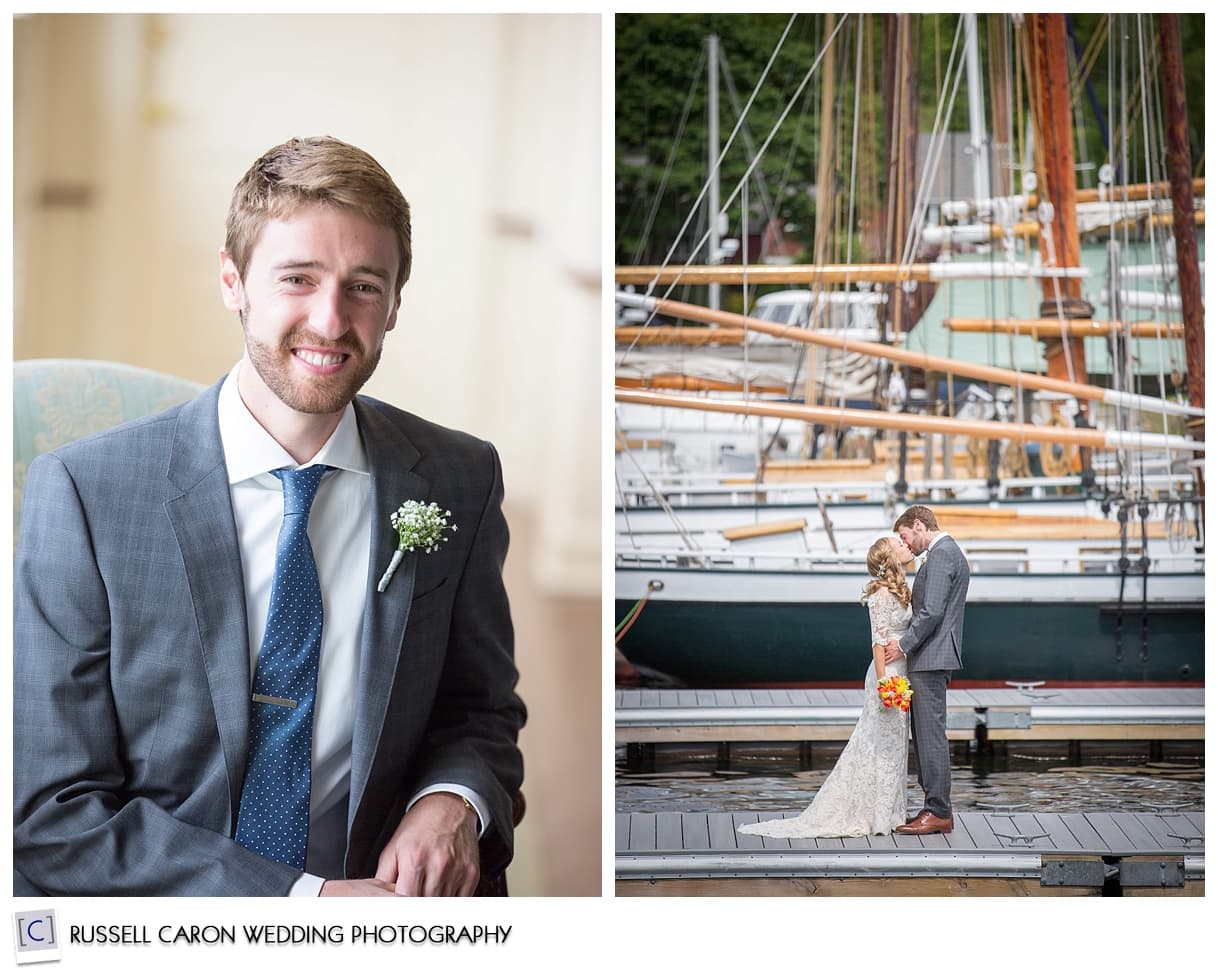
(150, 556)
(933, 644)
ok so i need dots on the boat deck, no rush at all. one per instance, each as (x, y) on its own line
(987, 854)
(650, 715)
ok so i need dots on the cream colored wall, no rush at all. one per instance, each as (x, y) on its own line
(130, 131)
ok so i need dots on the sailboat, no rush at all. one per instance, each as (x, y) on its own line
(1092, 572)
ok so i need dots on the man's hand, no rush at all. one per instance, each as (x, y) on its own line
(892, 651)
(356, 888)
(434, 850)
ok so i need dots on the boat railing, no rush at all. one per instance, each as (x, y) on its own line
(635, 492)
(993, 562)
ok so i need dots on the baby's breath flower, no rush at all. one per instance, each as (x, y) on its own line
(418, 526)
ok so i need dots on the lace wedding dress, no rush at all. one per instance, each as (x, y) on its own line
(865, 792)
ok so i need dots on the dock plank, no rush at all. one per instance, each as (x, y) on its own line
(722, 831)
(1156, 828)
(695, 831)
(746, 841)
(648, 847)
(773, 842)
(1160, 832)
(629, 699)
(1110, 831)
(668, 832)
(1197, 820)
(621, 832)
(977, 825)
(1063, 838)
(1025, 830)
(959, 838)
(903, 841)
(642, 831)
(1088, 836)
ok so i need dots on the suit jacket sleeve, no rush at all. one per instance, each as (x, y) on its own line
(471, 734)
(930, 601)
(77, 829)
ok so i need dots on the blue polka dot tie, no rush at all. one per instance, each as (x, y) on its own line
(274, 815)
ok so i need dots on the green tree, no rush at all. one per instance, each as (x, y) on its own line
(661, 165)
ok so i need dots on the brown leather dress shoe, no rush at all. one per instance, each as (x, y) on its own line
(913, 819)
(926, 823)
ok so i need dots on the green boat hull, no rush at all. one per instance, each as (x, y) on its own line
(723, 644)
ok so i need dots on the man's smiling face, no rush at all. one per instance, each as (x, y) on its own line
(315, 302)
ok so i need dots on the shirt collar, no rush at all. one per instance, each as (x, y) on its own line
(249, 449)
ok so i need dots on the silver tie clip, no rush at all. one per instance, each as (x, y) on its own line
(271, 700)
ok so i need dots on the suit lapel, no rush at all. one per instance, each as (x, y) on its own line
(202, 520)
(391, 456)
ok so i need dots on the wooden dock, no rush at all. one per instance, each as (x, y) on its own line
(987, 854)
(650, 715)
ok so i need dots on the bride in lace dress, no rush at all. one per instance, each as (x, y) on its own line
(865, 792)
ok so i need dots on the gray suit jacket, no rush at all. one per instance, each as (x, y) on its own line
(131, 668)
(935, 639)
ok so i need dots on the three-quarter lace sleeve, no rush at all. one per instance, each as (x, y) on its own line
(882, 607)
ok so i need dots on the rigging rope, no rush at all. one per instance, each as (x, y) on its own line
(631, 616)
(714, 173)
(761, 153)
(672, 156)
(1144, 563)
(659, 497)
(854, 154)
(935, 148)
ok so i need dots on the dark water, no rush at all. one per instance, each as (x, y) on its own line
(1032, 782)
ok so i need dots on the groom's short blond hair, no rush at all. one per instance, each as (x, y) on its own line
(315, 171)
(916, 514)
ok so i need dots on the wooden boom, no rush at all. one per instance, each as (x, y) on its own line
(929, 362)
(926, 424)
(831, 274)
(1047, 327)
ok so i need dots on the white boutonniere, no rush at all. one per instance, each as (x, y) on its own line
(418, 526)
(919, 561)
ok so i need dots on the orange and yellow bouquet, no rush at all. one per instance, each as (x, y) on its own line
(895, 692)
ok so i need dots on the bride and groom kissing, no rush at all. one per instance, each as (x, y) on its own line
(917, 634)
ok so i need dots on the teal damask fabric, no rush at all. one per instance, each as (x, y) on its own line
(56, 401)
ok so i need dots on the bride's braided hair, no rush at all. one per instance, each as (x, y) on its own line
(883, 566)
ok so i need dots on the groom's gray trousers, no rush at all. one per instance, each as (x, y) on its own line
(928, 718)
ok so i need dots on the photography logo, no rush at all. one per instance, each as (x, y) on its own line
(36, 936)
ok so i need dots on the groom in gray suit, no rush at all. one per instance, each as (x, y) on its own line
(933, 645)
(150, 564)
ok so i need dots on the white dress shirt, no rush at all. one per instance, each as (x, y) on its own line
(340, 534)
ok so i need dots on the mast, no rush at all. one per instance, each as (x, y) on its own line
(825, 168)
(1051, 104)
(1064, 357)
(978, 141)
(901, 124)
(825, 207)
(712, 139)
(1179, 164)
